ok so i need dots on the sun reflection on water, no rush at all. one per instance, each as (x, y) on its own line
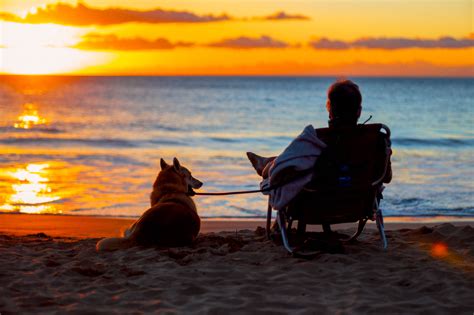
(31, 192)
(29, 118)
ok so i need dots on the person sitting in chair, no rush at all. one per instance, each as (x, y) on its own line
(344, 105)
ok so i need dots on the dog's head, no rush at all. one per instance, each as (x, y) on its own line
(178, 175)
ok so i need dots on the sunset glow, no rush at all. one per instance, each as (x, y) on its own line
(42, 49)
(220, 38)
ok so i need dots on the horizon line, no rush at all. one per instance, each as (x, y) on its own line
(421, 76)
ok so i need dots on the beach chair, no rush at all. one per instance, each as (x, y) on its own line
(346, 185)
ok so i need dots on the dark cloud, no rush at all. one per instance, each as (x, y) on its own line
(112, 42)
(285, 16)
(394, 43)
(325, 43)
(94, 41)
(82, 15)
(400, 43)
(244, 42)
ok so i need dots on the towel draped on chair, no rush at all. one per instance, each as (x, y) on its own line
(294, 167)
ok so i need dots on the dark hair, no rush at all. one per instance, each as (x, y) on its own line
(344, 101)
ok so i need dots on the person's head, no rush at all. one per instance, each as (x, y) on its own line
(344, 102)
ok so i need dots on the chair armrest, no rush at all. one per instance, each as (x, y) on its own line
(388, 153)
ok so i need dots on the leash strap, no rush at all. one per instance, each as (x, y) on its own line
(251, 191)
(240, 192)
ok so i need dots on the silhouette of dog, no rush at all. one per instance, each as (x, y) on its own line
(172, 219)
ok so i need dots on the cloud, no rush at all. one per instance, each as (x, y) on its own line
(400, 43)
(244, 42)
(325, 43)
(82, 15)
(112, 42)
(285, 16)
(393, 43)
(9, 17)
(93, 41)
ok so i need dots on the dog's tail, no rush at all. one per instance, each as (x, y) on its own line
(113, 243)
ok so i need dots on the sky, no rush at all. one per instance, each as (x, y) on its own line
(238, 37)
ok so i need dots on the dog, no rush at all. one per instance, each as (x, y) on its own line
(172, 220)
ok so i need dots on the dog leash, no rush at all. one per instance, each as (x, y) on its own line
(239, 192)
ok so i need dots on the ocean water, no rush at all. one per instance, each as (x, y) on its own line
(91, 145)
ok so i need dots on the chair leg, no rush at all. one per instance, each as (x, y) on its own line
(301, 230)
(380, 225)
(284, 235)
(281, 219)
(269, 220)
(360, 228)
(327, 228)
(290, 224)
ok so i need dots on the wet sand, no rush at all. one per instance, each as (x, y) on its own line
(49, 265)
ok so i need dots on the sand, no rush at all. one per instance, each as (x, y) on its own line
(428, 268)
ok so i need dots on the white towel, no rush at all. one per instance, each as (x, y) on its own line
(300, 156)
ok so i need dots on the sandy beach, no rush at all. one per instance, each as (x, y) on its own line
(49, 265)
(115, 110)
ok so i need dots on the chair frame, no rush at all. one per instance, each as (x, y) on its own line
(284, 222)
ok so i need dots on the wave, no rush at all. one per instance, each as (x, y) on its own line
(101, 142)
(225, 140)
(168, 128)
(238, 141)
(430, 215)
(434, 212)
(70, 141)
(256, 213)
(441, 142)
(408, 201)
(243, 217)
(166, 142)
(34, 129)
(113, 206)
(280, 140)
(407, 142)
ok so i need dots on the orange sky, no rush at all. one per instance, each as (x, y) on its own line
(226, 37)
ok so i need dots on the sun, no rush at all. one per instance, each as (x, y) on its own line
(43, 49)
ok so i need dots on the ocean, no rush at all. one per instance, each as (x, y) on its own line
(92, 145)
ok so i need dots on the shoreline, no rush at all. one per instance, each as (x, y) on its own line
(75, 226)
(398, 218)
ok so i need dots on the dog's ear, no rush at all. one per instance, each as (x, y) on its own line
(163, 164)
(176, 164)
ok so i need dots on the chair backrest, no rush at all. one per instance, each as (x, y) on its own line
(346, 174)
(355, 156)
